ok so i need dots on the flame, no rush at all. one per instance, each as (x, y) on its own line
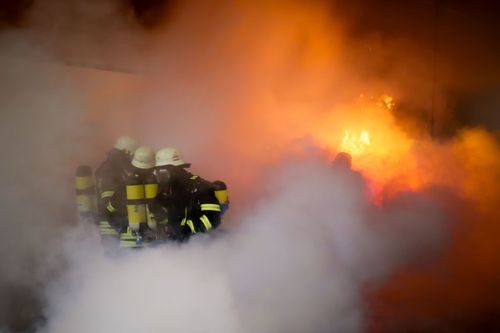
(390, 160)
(381, 151)
(355, 144)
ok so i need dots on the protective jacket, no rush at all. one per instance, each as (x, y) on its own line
(204, 210)
(171, 204)
(110, 183)
(185, 204)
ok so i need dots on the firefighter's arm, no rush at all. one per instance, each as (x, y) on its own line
(210, 215)
(108, 196)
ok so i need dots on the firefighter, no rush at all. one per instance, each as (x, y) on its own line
(141, 188)
(110, 183)
(186, 204)
(173, 194)
(342, 160)
(204, 210)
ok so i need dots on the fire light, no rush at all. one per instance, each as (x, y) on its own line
(354, 143)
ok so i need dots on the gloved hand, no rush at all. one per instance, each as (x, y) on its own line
(223, 208)
(114, 205)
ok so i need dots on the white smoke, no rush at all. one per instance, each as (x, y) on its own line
(40, 135)
(298, 263)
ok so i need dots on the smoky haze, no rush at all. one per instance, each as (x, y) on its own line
(249, 92)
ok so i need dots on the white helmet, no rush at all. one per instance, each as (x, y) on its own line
(144, 158)
(127, 143)
(169, 156)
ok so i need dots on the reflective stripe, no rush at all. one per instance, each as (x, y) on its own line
(106, 229)
(108, 232)
(130, 244)
(183, 222)
(104, 223)
(191, 226)
(206, 222)
(194, 177)
(107, 194)
(110, 208)
(212, 207)
(128, 235)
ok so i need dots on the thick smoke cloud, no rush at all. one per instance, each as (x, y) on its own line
(40, 138)
(296, 264)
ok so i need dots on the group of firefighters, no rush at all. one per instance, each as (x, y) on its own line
(144, 197)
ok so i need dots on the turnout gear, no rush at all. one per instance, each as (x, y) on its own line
(127, 144)
(85, 193)
(204, 210)
(110, 177)
(185, 204)
(130, 239)
(171, 204)
(170, 156)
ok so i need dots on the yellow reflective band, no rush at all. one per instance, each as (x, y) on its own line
(151, 190)
(104, 223)
(110, 208)
(212, 207)
(135, 192)
(106, 229)
(129, 244)
(127, 235)
(107, 194)
(191, 226)
(183, 222)
(128, 238)
(194, 177)
(221, 196)
(108, 232)
(206, 222)
(83, 183)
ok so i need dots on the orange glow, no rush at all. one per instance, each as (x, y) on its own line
(392, 161)
(355, 144)
(380, 149)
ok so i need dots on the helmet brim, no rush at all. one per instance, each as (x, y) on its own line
(143, 165)
(180, 162)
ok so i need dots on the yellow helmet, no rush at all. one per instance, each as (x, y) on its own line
(127, 144)
(144, 158)
(170, 156)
